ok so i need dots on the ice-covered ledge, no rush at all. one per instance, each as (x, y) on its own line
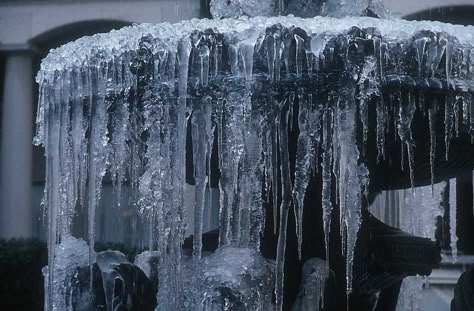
(120, 102)
(166, 35)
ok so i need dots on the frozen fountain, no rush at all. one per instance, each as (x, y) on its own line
(279, 103)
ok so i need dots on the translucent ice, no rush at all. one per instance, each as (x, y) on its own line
(70, 255)
(121, 103)
(313, 284)
(236, 8)
(231, 279)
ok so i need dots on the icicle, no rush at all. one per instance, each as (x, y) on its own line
(368, 87)
(440, 51)
(299, 55)
(267, 157)
(274, 53)
(276, 171)
(231, 156)
(353, 178)
(464, 71)
(201, 133)
(305, 155)
(318, 45)
(327, 176)
(120, 149)
(79, 141)
(449, 59)
(383, 56)
(471, 116)
(246, 50)
(286, 44)
(421, 102)
(466, 102)
(315, 121)
(420, 45)
(432, 115)
(252, 182)
(66, 191)
(448, 121)
(52, 128)
(381, 128)
(406, 113)
(204, 64)
(285, 203)
(457, 112)
(364, 116)
(97, 150)
(170, 212)
(335, 151)
(452, 219)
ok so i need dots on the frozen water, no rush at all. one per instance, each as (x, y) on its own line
(123, 284)
(414, 211)
(230, 279)
(70, 255)
(122, 103)
(149, 263)
(300, 8)
(342, 8)
(236, 8)
(452, 218)
(313, 284)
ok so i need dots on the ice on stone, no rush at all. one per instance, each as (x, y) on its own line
(313, 284)
(149, 263)
(70, 255)
(236, 8)
(232, 279)
(413, 211)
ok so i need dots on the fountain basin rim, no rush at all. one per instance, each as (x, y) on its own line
(112, 44)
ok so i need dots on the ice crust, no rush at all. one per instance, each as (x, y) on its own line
(122, 102)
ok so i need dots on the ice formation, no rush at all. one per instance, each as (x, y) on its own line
(452, 219)
(70, 255)
(231, 278)
(415, 212)
(313, 284)
(301, 8)
(122, 102)
(419, 210)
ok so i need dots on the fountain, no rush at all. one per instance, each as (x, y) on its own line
(279, 103)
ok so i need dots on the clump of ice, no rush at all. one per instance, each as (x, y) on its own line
(70, 255)
(313, 284)
(236, 8)
(230, 279)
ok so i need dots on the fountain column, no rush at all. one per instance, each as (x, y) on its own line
(16, 146)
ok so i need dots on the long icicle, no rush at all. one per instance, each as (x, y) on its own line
(353, 177)
(201, 133)
(432, 114)
(327, 177)
(285, 203)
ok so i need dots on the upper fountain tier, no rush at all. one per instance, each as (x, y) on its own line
(166, 36)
